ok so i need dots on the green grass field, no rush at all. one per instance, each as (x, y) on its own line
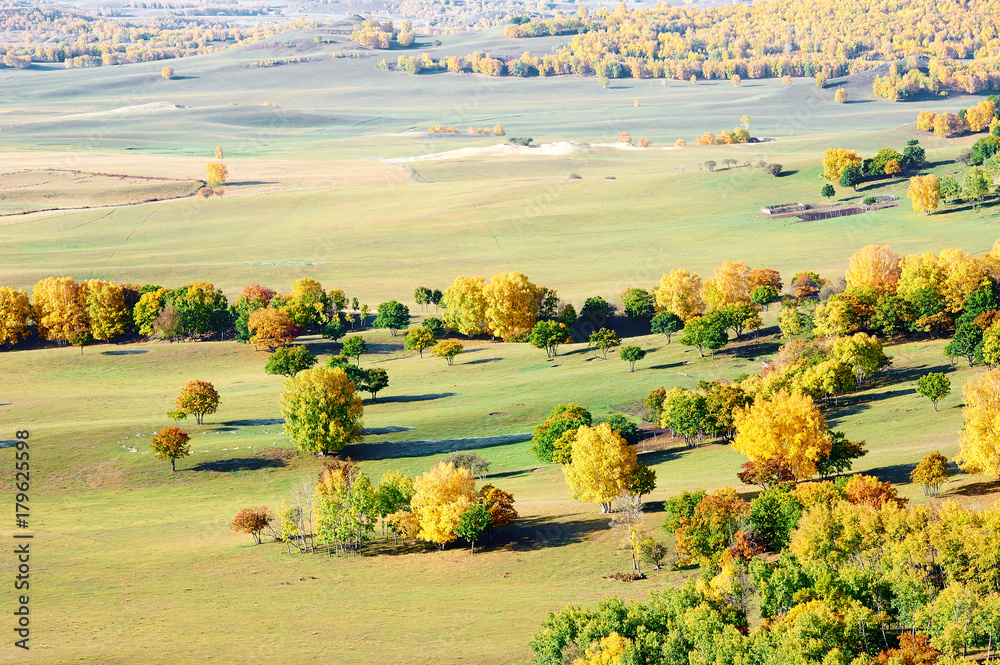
(138, 565)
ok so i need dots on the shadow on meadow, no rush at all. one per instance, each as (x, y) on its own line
(395, 449)
(238, 464)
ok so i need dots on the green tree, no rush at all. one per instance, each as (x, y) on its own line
(687, 415)
(632, 355)
(392, 315)
(966, 342)
(852, 176)
(934, 386)
(567, 315)
(666, 323)
(322, 410)
(376, 379)
(605, 339)
(418, 339)
(472, 523)
(639, 304)
(289, 360)
(549, 335)
(597, 311)
(422, 296)
(354, 347)
(625, 427)
(705, 332)
(563, 417)
(763, 296)
(828, 191)
(335, 329)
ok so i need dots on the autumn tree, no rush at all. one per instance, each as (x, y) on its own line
(932, 471)
(441, 497)
(601, 467)
(680, 293)
(924, 193)
(465, 306)
(840, 96)
(354, 347)
(15, 311)
(272, 328)
(252, 521)
(307, 304)
(834, 161)
(499, 505)
(105, 309)
(418, 339)
(218, 152)
(322, 410)
(512, 304)
(729, 284)
(448, 349)
(605, 339)
(393, 315)
(146, 311)
(934, 386)
(167, 72)
(632, 355)
(216, 174)
(979, 450)
(789, 426)
(171, 443)
(861, 351)
(58, 310)
(873, 266)
(289, 361)
(198, 397)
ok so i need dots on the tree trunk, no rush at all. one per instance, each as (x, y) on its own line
(173, 467)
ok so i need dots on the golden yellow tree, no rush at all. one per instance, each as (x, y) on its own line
(834, 161)
(218, 152)
(680, 293)
(271, 328)
(465, 306)
(963, 274)
(58, 310)
(441, 496)
(924, 193)
(511, 304)
(105, 308)
(948, 124)
(925, 120)
(608, 651)
(15, 310)
(840, 96)
(788, 428)
(875, 266)
(979, 450)
(730, 284)
(307, 302)
(602, 465)
(216, 173)
(979, 116)
(167, 73)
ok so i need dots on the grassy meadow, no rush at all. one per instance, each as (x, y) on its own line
(138, 565)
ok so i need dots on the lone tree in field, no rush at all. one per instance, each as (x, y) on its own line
(199, 398)
(932, 471)
(322, 410)
(171, 443)
(376, 379)
(218, 152)
(448, 349)
(472, 523)
(840, 96)
(924, 193)
(290, 360)
(666, 323)
(828, 191)
(605, 339)
(418, 339)
(393, 315)
(354, 347)
(252, 521)
(934, 386)
(167, 73)
(632, 355)
(549, 335)
(216, 173)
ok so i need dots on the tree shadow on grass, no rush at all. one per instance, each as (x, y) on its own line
(238, 464)
(391, 399)
(978, 489)
(667, 365)
(512, 474)
(856, 404)
(396, 449)
(480, 361)
(225, 428)
(254, 422)
(897, 474)
(531, 533)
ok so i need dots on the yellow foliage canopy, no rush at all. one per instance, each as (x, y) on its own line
(788, 427)
(875, 266)
(680, 293)
(442, 495)
(834, 161)
(465, 305)
(602, 465)
(511, 303)
(57, 309)
(924, 193)
(980, 447)
(15, 309)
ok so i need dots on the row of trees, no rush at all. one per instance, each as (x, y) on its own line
(977, 118)
(343, 510)
(850, 170)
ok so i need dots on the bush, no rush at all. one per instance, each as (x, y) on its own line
(869, 200)
(517, 140)
(625, 427)
(435, 325)
(772, 169)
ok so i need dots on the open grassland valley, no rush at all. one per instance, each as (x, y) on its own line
(501, 333)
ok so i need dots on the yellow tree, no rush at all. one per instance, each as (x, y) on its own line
(875, 266)
(963, 274)
(788, 428)
(924, 193)
(602, 465)
(307, 303)
(925, 120)
(730, 284)
(15, 310)
(198, 397)
(216, 173)
(147, 309)
(840, 96)
(167, 73)
(680, 293)
(440, 498)
(979, 450)
(511, 304)
(272, 328)
(57, 309)
(322, 410)
(465, 306)
(105, 309)
(834, 161)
